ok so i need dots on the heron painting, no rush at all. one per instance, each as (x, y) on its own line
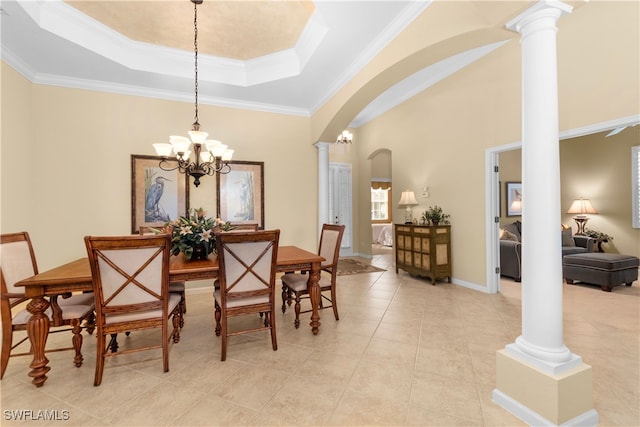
(154, 204)
(157, 196)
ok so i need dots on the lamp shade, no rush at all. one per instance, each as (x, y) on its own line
(408, 198)
(581, 207)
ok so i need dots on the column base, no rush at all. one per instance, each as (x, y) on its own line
(540, 398)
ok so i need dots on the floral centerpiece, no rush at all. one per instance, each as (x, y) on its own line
(194, 234)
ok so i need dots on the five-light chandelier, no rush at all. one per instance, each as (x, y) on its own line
(345, 137)
(215, 157)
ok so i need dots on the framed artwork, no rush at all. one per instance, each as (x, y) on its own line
(157, 196)
(241, 193)
(513, 201)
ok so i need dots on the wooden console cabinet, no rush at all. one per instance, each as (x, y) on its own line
(424, 250)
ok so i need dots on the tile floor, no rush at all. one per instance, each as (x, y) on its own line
(403, 353)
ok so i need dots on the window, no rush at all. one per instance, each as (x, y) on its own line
(380, 202)
(635, 185)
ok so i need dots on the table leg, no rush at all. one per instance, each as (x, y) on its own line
(38, 331)
(314, 296)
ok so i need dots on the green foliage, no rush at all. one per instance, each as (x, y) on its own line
(435, 215)
(597, 235)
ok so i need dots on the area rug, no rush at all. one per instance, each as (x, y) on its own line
(352, 266)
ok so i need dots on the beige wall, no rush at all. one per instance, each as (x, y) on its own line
(66, 169)
(439, 137)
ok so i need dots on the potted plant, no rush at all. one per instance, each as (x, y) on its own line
(193, 234)
(435, 215)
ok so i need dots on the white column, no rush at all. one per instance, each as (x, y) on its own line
(323, 183)
(541, 342)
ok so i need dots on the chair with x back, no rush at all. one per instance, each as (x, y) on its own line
(18, 262)
(130, 277)
(295, 284)
(247, 274)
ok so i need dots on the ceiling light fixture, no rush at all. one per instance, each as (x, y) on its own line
(345, 137)
(215, 157)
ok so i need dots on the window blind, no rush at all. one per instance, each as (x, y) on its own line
(635, 185)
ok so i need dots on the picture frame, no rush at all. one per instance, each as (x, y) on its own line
(513, 198)
(240, 193)
(172, 186)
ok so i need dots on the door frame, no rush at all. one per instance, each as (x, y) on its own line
(492, 193)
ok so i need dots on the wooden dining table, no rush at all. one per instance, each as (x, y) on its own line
(75, 276)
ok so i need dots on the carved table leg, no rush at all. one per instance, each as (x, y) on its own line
(38, 331)
(314, 296)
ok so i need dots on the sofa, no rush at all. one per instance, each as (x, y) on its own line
(511, 247)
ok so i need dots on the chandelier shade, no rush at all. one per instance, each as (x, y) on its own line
(210, 156)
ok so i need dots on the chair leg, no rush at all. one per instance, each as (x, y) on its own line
(272, 325)
(113, 343)
(218, 315)
(296, 322)
(334, 303)
(101, 350)
(176, 320)
(284, 298)
(91, 323)
(77, 342)
(165, 341)
(223, 350)
(7, 341)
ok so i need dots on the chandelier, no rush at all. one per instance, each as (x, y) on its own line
(345, 137)
(210, 156)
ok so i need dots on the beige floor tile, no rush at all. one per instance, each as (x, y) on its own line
(404, 353)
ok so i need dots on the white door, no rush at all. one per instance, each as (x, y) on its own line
(340, 207)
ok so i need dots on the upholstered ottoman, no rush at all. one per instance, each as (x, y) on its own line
(604, 269)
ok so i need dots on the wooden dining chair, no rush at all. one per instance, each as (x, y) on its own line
(295, 284)
(246, 277)
(130, 276)
(18, 262)
(178, 287)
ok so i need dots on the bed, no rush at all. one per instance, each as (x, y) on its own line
(382, 234)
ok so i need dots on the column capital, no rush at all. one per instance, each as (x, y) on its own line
(542, 9)
(322, 145)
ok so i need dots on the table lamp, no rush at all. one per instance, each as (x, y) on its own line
(408, 200)
(581, 207)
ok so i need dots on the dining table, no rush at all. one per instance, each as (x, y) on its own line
(75, 276)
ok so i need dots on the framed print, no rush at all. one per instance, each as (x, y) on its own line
(241, 193)
(513, 201)
(157, 196)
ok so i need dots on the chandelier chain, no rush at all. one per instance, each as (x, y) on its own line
(195, 49)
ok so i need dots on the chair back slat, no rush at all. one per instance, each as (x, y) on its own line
(17, 261)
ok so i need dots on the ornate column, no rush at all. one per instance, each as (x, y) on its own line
(323, 183)
(539, 360)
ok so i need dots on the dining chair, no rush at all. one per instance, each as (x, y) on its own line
(295, 284)
(174, 287)
(18, 262)
(243, 227)
(246, 277)
(130, 276)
